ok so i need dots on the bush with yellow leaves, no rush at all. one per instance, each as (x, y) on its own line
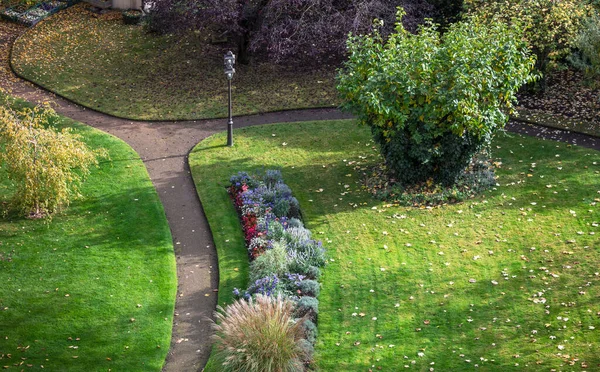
(46, 166)
(550, 27)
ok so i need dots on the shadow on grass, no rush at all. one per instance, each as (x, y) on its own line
(84, 331)
(75, 283)
(576, 179)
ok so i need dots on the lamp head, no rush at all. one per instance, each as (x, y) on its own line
(229, 61)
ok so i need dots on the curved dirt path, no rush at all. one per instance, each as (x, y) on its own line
(164, 148)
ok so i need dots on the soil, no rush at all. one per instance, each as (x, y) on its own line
(567, 95)
(164, 148)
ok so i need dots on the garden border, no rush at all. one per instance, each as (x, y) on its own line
(259, 221)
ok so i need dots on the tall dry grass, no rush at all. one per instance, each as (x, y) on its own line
(259, 335)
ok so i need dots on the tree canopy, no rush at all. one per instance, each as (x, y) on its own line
(285, 30)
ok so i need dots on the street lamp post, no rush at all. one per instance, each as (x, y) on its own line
(229, 71)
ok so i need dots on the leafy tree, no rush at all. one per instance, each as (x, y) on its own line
(551, 27)
(47, 166)
(587, 55)
(300, 30)
(433, 101)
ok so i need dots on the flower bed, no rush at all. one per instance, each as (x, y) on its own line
(285, 260)
(34, 14)
(10, 14)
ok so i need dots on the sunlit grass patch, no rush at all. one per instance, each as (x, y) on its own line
(508, 279)
(94, 289)
(122, 70)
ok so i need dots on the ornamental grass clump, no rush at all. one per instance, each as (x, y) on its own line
(260, 335)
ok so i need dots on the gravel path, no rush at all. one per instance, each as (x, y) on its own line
(164, 148)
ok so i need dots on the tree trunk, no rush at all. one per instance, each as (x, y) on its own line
(243, 42)
(541, 65)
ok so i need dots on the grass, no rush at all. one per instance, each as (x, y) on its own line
(95, 288)
(103, 64)
(506, 281)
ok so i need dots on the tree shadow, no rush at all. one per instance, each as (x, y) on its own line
(76, 290)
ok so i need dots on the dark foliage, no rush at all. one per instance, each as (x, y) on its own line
(309, 288)
(310, 330)
(446, 12)
(308, 307)
(297, 31)
(477, 178)
(443, 159)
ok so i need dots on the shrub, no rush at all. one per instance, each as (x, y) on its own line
(309, 288)
(587, 55)
(298, 265)
(46, 165)
(245, 328)
(292, 281)
(307, 349)
(432, 101)
(306, 256)
(477, 178)
(275, 230)
(272, 261)
(297, 236)
(294, 222)
(281, 207)
(277, 199)
(268, 286)
(302, 250)
(550, 27)
(242, 178)
(310, 331)
(313, 272)
(301, 261)
(272, 177)
(307, 307)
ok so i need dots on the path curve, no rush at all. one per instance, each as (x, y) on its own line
(164, 148)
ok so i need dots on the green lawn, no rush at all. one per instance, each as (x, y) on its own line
(124, 71)
(506, 281)
(95, 288)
